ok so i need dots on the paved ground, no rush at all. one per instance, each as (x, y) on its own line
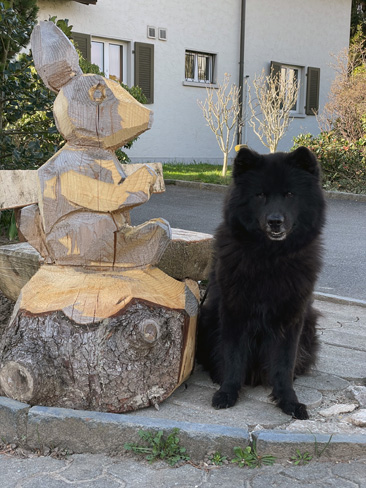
(98, 471)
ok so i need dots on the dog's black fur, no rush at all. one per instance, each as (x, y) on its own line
(257, 325)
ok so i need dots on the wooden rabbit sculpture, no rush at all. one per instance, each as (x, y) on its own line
(99, 326)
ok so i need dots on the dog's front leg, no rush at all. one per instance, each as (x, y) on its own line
(233, 360)
(281, 373)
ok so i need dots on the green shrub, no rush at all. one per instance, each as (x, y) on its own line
(343, 163)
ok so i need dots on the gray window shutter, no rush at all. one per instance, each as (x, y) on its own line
(312, 91)
(144, 69)
(83, 43)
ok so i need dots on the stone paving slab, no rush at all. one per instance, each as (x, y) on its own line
(192, 402)
(198, 401)
(324, 382)
(349, 364)
(342, 333)
(345, 338)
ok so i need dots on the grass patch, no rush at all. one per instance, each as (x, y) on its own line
(249, 457)
(211, 173)
(301, 459)
(156, 446)
(202, 172)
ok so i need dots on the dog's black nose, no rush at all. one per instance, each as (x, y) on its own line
(275, 220)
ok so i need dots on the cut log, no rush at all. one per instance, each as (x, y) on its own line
(88, 295)
(54, 56)
(188, 255)
(105, 341)
(18, 263)
(18, 188)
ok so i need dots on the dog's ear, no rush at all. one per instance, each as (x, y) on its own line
(245, 160)
(303, 158)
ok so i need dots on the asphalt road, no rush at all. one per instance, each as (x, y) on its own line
(344, 271)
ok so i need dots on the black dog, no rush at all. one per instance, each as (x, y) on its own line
(257, 325)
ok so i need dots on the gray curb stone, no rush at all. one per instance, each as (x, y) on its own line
(338, 299)
(283, 445)
(340, 195)
(98, 432)
(197, 185)
(13, 420)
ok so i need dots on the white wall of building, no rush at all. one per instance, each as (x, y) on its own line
(288, 31)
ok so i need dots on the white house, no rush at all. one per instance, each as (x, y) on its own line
(174, 49)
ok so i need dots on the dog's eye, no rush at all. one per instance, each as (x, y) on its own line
(289, 194)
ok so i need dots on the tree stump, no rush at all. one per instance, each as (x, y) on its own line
(110, 341)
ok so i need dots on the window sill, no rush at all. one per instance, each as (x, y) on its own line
(199, 85)
(297, 116)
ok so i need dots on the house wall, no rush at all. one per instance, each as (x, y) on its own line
(289, 31)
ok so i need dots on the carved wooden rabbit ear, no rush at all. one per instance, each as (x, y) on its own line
(55, 58)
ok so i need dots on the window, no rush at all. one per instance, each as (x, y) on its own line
(307, 100)
(112, 58)
(199, 67)
(109, 56)
(292, 75)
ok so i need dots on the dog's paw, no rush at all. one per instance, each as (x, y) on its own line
(296, 410)
(300, 412)
(224, 399)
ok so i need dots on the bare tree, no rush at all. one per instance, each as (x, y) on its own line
(345, 110)
(275, 97)
(221, 109)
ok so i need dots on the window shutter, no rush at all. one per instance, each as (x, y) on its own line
(312, 91)
(144, 69)
(83, 43)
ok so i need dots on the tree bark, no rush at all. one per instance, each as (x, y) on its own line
(224, 166)
(133, 352)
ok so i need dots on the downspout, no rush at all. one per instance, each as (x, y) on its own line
(241, 68)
